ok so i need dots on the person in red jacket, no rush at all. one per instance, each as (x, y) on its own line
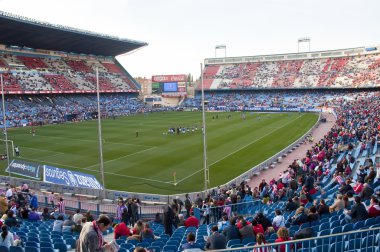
(192, 221)
(121, 230)
(374, 208)
(257, 228)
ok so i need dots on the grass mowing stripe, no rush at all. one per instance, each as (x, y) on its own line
(243, 147)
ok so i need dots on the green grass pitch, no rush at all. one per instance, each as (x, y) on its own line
(148, 162)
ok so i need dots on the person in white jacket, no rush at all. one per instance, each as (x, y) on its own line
(6, 237)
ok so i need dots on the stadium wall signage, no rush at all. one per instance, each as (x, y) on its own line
(70, 178)
(241, 108)
(169, 78)
(26, 169)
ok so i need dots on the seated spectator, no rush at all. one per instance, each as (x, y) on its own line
(322, 208)
(283, 235)
(374, 208)
(77, 216)
(58, 223)
(246, 230)
(313, 215)
(278, 220)
(191, 242)
(6, 237)
(138, 228)
(33, 216)
(223, 223)
(358, 188)
(216, 240)
(264, 221)
(290, 206)
(338, 205)
(45, 214)
(299, 217)
(260, 240)
(357, 213)
(11, 221)
(231, 231)
(257, 228)
(366, 193)
(68, 225)
(371, 176)
(147, 232)
(192, 221)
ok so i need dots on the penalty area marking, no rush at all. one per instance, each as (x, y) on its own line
(245, 146)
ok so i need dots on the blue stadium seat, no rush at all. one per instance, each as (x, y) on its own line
(248, 240)
(121, 241)
(127, 246)
(71, 242)
(61, 246)
(132, 241)
(353, 244)
(32, 244)
(143, 244)
(232, 242)
(159, 244)
(31, 249)
(34, 239)
(46, 244)
(45, 249)
(338, 246)
(154, 249)
(170, 248)
(3, 249)
(16, 249)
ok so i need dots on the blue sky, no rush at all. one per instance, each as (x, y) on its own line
(182, 33)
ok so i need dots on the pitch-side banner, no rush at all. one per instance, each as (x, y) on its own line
(26, 169)
(169, 78)
(70, 178)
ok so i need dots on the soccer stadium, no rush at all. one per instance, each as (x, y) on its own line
(272, 152)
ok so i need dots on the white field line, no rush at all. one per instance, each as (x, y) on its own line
(42, 150)
(179, 181)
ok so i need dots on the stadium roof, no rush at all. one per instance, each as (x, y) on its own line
(25, 32)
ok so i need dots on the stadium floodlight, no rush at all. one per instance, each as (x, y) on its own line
(5, 127)
(103, 194)
(205, 167)
(303, 40)
(221, 47)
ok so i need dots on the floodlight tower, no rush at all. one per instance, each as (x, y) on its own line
(303, 40)
(205, 166)
(221, 47)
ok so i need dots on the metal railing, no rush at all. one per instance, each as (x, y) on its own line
(356, 240)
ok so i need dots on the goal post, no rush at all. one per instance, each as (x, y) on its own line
(12, 145)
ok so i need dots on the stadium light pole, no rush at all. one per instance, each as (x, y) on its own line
(302, 40)
(205, 167)
(223, 47)
(103, 194)
(5, 127)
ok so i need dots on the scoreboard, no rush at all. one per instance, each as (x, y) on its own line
(169, 83)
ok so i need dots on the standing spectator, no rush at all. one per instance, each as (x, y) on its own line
(119, 210)
(358, 212)
(169, 218)
(33, 200)
(52, 199)
(322, 208)
(283, 235)
(61, 206)
(9, 193)
(188, 205)
(33, 216)
(6, 237)
(91, 236)
(192, 221)
(246, 230)
(216, 240)
(45, 214)
(135, 211)
(223, 223)
(77, 216)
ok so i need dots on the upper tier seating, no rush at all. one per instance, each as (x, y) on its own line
(343, 72)
(32, 63)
